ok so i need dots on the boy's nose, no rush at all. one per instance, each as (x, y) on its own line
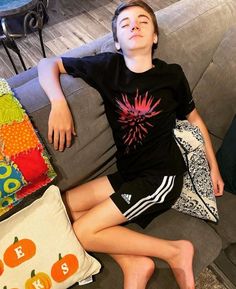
(134, 24)
(134, 27)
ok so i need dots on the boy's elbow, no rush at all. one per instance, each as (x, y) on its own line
(45, 62)
(53, 63)
(47, 65)
(42, 65)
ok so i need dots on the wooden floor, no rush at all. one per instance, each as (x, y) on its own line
(71, 24)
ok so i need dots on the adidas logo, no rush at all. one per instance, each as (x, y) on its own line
(126, 197)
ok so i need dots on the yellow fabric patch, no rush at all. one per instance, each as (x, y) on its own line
(18, 137)
(10, 110)
(3, 210)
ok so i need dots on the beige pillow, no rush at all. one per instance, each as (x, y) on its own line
(34, 239)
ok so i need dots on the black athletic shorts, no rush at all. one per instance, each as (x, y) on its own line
(145, 197)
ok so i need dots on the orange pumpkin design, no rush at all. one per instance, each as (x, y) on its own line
(19, 252)
(64, 268)
(1, 267)
(41, 279)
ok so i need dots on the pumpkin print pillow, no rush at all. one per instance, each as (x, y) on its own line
(39, 250)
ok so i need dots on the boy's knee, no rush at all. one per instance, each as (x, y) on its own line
(83, 234)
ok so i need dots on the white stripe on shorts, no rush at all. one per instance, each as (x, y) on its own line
(157, 197)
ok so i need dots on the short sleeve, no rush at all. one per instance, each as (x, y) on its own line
(89, 68)
(184, 96)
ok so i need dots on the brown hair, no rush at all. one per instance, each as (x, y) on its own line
(130, 3)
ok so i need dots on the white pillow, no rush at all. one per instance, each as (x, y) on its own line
(42, 232)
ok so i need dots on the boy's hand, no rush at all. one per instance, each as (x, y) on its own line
(60, 125)
(218, 184)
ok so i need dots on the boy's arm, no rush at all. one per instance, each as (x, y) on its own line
(218, 184)
(60, 123)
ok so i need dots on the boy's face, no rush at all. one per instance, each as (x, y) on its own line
(135, 30)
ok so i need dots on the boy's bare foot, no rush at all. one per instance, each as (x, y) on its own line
(181, 264)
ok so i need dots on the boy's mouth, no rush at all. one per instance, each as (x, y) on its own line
(135, 36)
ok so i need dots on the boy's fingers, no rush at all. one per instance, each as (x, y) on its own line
(68, 139)
(62, 141)
(50, 134)
(221, 188)
(73, 129)
(56, 139)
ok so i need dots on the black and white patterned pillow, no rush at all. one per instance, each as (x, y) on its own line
(197, 197)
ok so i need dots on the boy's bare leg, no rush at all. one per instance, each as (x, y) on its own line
(80, 199)
(98, 230)
(137, 270)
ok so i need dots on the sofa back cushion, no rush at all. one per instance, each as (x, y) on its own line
(92, 151)
(215, 94)
(226, 157)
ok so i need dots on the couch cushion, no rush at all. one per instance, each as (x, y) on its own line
(23, 77)
(207, 247)
(92, 152)
(226, 157)
(215, 94)
(193, 229)
(183, 38)
(227, 223)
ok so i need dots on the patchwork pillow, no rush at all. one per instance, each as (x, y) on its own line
(226, 157)
(197, 197)
(39, 249)
(24, 163)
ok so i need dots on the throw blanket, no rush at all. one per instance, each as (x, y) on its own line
(24, 163)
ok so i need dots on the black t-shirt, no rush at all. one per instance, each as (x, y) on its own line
(141, 108)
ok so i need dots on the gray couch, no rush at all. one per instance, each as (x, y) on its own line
(201, 36)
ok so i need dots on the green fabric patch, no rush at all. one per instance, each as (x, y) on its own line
(10, 110)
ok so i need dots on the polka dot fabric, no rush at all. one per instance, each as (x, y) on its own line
(18, 137)
(24, 163)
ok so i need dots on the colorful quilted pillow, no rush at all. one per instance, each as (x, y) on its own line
(24, 163)
(39, 249)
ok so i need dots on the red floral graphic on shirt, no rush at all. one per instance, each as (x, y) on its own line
(134, 117)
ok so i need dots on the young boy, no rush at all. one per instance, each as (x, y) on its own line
(142, 98)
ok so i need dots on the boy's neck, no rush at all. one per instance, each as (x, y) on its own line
(138, 64)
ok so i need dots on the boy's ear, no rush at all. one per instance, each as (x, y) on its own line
(155, 39)
(117, 45)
